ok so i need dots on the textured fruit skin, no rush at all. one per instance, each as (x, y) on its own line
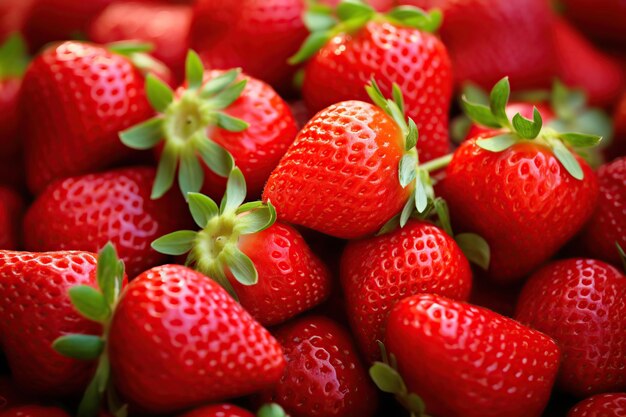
(192, 343)
(602, 405)
(76, 97)
(113, 206)
(379, 271)
(523, 108)
(417, 61)
(221, 410)
(521, 200)
(36, 310)
(237, 34)
(340, 176)
(323, 377)
(608, 224)
(11, 210)
(9, 97)
(164, 25)
(581, 303)
(292, 279)
(34, 411)
(605, 23)
(467, 361)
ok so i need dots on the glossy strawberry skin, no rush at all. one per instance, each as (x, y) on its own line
(37, 308)
(581, 303)
(221, 410)
(76, 97)
(521, 200)
(323, 377)
(11, 210)
(192, 343)
(417, 61)
(34, 411)
(290, 275)
(466, 361)
(340, 176)
(113, 206)
(378, 272)
(602, 405)
(9, 97)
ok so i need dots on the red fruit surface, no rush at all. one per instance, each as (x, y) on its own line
(581, 303)
(323, 377)
(76, 97)
(417, 61)
(603, 405)
(340, 176)
(604, 22)
(292, 279)
(115, 206)
(467, 361)
(10, 142)
(221, 410)
(618, 147)
(34, 411)
(239, 34)
(13, 14)
(379, 271)
(11, 210)
(521, 200)
(37, 310)
(191, 343)
(10, 395)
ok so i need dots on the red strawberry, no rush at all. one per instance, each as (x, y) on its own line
(618, 147)
(390, 50)
(34, 411)
(12, 66)
(377, 272)
(582, 304)
(466, 361)
(265, 264)
(605, 23)
(11, 210)
(221, 410)
(603, 405)
(76, 97)
(323, 377)
(115, 206)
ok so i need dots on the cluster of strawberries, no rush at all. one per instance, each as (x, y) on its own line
(266, 205)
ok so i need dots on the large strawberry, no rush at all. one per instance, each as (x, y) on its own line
(581, 303)
(12, 66)
(34, 411)
(264, 264)
(219, 116)
(323, 376)
(93, 209)
(519, 186)
(602, 405)
(11, 210)
(465, 361)
(394, 48)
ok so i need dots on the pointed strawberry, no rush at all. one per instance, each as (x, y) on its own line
(602, 405)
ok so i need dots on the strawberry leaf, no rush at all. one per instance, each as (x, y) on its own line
(202, 208)
(580, 140)
(387, 379)
(241, 267)
(227, 96)
(190, 173)
(475, 248)
(498, 99)
(160, 95)
(175, 243)
(109, 273)
(497, 143)
(194, 70)
(407, 169)
(407, 210)
(319, 20)
(218, 159)
(313, 43)
(256, 220)
(397, 96)
(416, 18)
(235, 192)
(13, 57)
(145, 135)
(127, 48)
(79, 346)
(165, 171)
(90, 303)
(479, 113)
(219, 83)
(411, 138)
(232, 124)
(350, 9)
(528, 129)
(443, 214)
(271, 410)
(567, 159)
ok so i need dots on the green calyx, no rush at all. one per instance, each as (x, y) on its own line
(96, 304)
(214, 249)
(325, 22)
(183, 123)
(271, 410)
(13, 57)
(519, 129)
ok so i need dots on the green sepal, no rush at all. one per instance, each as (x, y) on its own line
(175, 243)
(443, 215)
(232, 124)
(241, 266)
(497, 143)
(318, 19)
(219, 83)
(194, 70)
(528, 129)
(256, 220)
(271, 410)
(109, 273)
(567, 159)
(13, 57)
(498, 99)
(376, 95)
(416, 18)
(235, 192)
(90, 403)
(479, 113)
(475, 248)
(407, 210)
(567, 103)
(127, 48)
(386, 378)
(313, 43)
(474, 94)
(351, 9)
(398, 98)
(392, 224)
(166, 170)
(145, 135)
(79, 346)
(407, 169)
(218, 159)
(622, 255)
(190, 172)
(411, 137)
(159, 94)
(422, 194)
(459, 128)
(227, 96)
(90, 303)
(202, 208)
(580, 140)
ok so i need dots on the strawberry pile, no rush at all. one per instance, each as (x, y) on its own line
(320, 208)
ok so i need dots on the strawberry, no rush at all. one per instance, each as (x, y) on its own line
(465, 361)
(581, 303)
(323, 376)
(34, 411)
(393, 48)
(114, 206)
(608, 224)
(237, 34)
(602, 405)
(219, 116)
(519, 187)
(11, 209)
(12, 66)
(264, 264)
(604, 23)
(379, 271)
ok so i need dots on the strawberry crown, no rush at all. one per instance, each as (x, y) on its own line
(182, 123)
(325, 22)
(13, 57)
(138, 53)
(214, 248)
(520, 129)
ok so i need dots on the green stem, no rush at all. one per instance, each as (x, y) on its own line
(437, 163)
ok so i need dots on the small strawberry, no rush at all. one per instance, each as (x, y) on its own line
(34, 411)
(465, 361)
(602, 405)
(581, 303)
(11, 210)
(262, 263)
(93, 209)
(604, 23)
(219, 116)
(12, 66)
(323, 376)
(394, 48)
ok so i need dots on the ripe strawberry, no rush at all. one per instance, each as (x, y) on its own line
(582, 304)
(396, 48)
(605, 23)
(11, 210)
(379, 271)
(324, 376)
(519, 187)
(93, 209)
(264, 264)
(12, 66)
(76, 97)
(221, 410)
(34, 411)
(603, 405)
(217, 117)
(466, 361)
